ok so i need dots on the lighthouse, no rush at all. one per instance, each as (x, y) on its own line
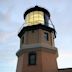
(37, 51)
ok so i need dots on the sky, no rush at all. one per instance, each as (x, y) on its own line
(11, 19)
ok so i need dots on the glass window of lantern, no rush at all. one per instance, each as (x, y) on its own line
(27, 19)
(35, 17)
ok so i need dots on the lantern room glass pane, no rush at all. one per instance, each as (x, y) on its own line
(34, 18)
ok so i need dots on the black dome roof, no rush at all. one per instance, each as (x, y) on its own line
(36, 8)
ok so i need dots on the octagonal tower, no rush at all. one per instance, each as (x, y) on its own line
(37, 51)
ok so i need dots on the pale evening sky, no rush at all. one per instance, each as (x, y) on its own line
(11, 19)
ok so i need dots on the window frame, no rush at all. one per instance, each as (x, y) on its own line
(29, 58)
(46, 36)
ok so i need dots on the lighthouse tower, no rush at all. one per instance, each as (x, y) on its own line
(37, 51)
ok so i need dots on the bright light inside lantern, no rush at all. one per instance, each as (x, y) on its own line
(34, 18)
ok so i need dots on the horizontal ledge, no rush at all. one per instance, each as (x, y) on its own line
(36, 47)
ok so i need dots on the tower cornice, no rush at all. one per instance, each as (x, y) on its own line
(35, 27)
(40, 48)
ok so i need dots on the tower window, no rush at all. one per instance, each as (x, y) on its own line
(22, 40)
(46, 36)
(32, 58)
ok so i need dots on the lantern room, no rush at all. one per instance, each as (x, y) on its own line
(37, 15)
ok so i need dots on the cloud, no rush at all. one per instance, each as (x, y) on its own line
(5, 36)
(3, 0)
(64, 59)
(5, 14)
(8, 65)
